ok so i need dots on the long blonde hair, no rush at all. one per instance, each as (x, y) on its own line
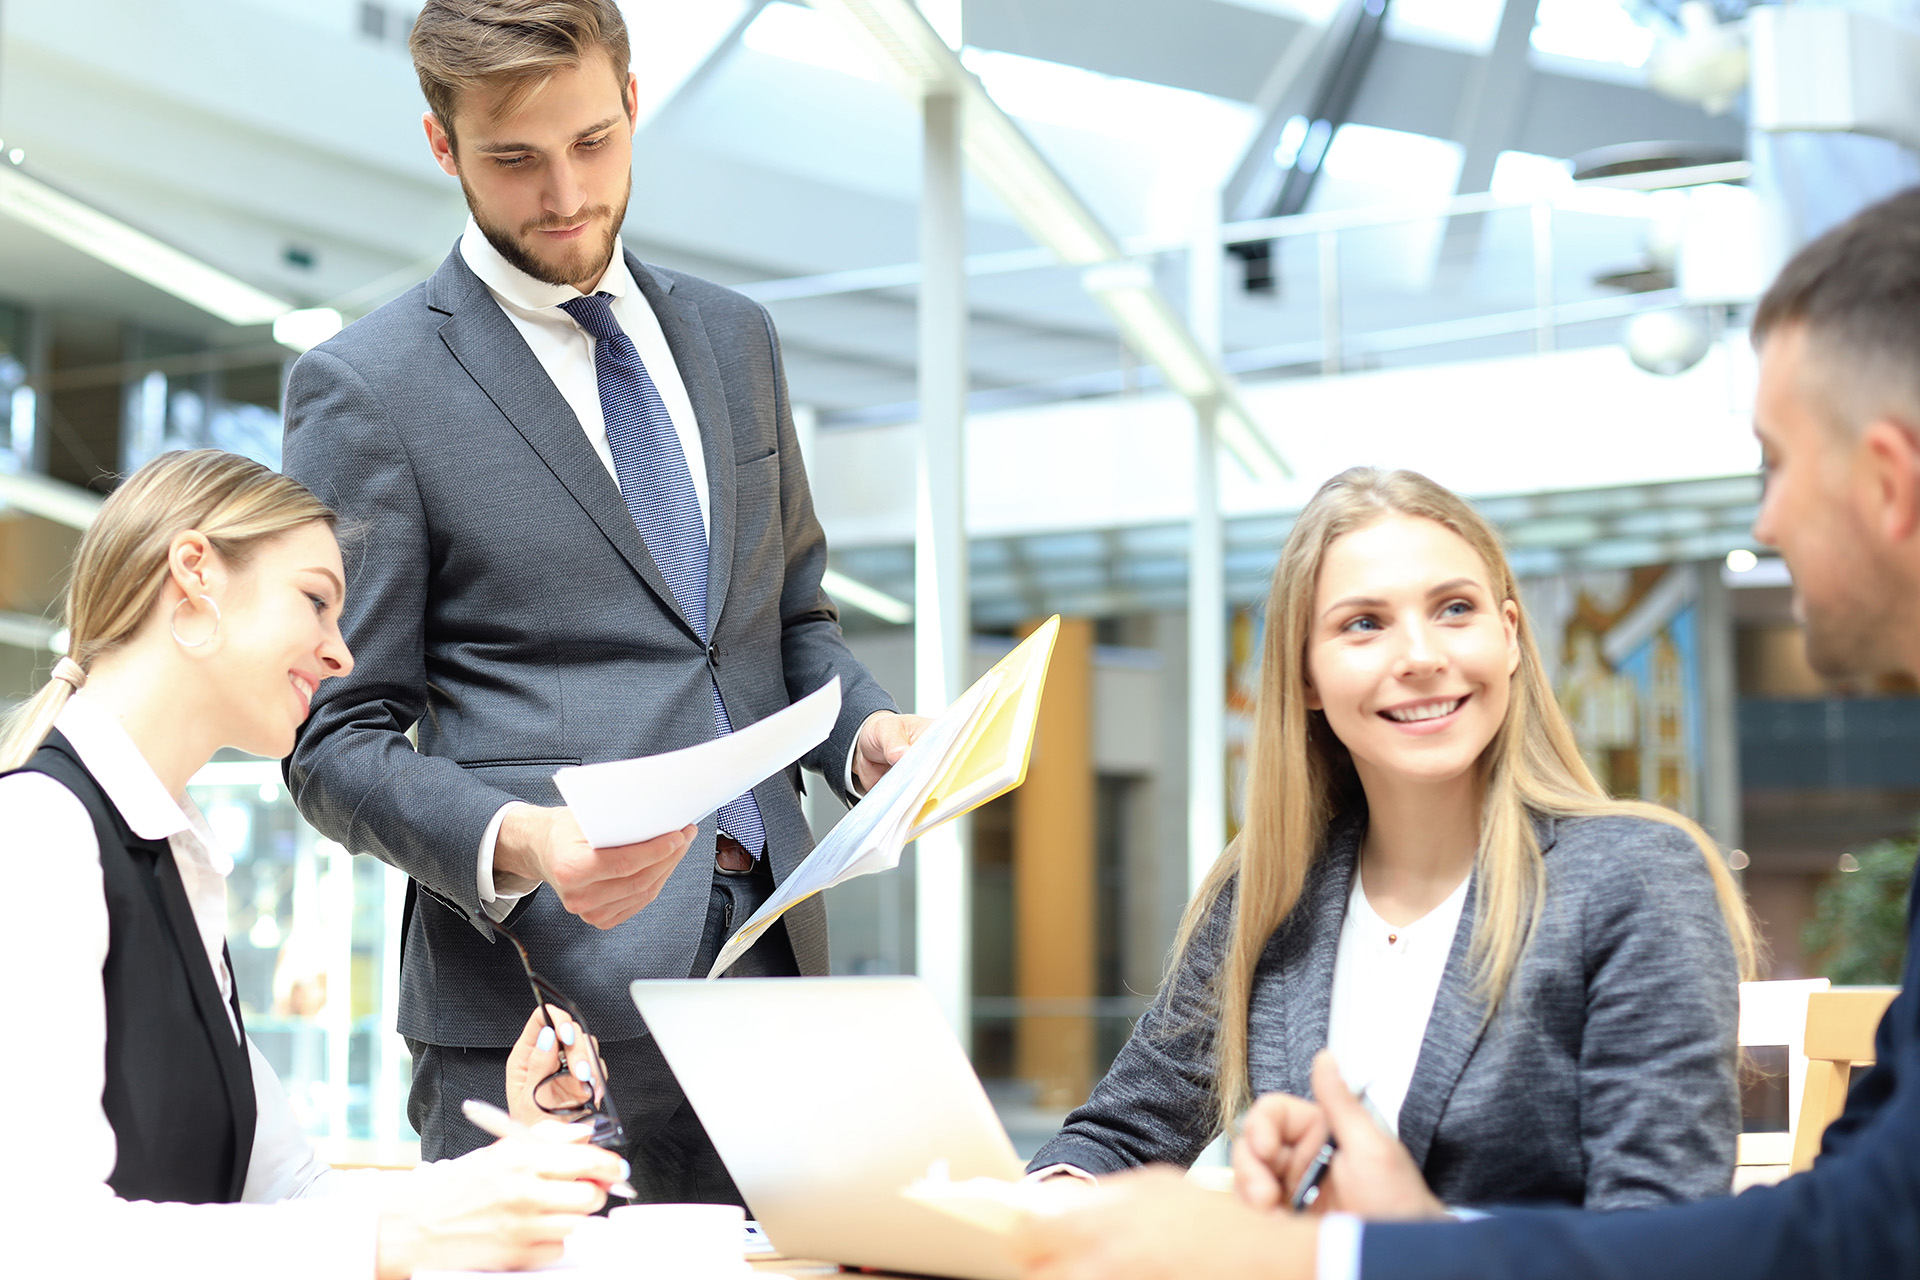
(1299, 782)
(121, 565)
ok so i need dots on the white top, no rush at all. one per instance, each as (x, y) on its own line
(1385, 978)
(59, 1144)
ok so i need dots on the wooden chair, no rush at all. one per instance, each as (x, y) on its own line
(1774, 1013)
(1840, 1027)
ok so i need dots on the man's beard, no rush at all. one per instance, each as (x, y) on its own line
(586, 261)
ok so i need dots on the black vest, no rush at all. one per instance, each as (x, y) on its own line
(179, 1089)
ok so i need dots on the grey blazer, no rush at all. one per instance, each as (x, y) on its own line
(501, 599)
(1607, 1078)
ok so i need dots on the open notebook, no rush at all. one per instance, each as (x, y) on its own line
(977, 749)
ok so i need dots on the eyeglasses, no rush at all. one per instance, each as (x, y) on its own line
(607, 1130)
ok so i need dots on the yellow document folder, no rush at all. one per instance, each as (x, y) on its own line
(975, 750)
(992, 759)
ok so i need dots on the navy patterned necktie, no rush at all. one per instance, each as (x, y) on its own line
(658, 488)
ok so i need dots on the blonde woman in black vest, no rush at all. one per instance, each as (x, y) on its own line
(145, 1134)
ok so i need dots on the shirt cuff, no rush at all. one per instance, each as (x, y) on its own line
(1337, 1257)
(853, 787)
(1072, 1171)
(500, 894)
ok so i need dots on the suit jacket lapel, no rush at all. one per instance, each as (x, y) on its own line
(236, 1072)
(1310, 997)
(1453, 1030)
(686, 334)
(495, 356)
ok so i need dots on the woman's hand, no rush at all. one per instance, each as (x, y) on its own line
(507, 1207)
(1372, 1175)
(536, 1055)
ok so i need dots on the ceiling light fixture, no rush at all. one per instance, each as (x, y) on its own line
(868, 599)
(106, 238)
(920, 63)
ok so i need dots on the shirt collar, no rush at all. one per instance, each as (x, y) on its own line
(516, 288)
(122, 772)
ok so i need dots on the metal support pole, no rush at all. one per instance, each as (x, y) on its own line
(1543, 276)
(942, 912)
(1206, 577)
(1329, 302)
(1719, 710)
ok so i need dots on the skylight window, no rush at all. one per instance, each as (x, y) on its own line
(1156, 115)
(679, 35)
(1601, 31)
(1470, 25)
(800, 34)
(1521, 175)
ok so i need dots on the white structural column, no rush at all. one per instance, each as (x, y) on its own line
(942, 909)
(1206, 572)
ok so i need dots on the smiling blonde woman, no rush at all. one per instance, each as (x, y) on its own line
(1535, 985)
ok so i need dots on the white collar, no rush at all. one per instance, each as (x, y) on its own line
(512, 285)
(122, 772)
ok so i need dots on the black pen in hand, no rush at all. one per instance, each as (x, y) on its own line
(1309, 1189)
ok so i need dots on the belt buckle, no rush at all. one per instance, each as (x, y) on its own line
(730, 856)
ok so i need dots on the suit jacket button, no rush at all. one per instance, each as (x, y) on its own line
(713, 656)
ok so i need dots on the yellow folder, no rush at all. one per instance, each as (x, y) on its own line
(992, 759)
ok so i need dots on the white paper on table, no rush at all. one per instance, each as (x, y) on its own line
(627, 801)
(873, 833)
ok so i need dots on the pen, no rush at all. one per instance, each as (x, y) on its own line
(1309, 1189)
(492, 1120)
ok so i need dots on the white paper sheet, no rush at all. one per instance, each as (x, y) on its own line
(873, 833)
(627, 801)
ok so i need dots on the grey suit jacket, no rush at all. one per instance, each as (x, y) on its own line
(501, 599)
(1607, 1078)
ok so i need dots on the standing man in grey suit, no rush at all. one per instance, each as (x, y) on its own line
(587, 535)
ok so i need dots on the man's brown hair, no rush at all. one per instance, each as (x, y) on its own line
(459, 45)
(1855, 294)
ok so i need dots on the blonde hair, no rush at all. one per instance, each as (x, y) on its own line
(461, 45)
(1300, 781)
(121, 565)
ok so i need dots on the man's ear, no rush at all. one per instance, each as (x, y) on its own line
(1891, 454)
(440, 143)
(633, 99)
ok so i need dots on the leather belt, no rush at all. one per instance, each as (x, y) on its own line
(730, 856)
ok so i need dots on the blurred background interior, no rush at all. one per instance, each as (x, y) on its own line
(1138, 274)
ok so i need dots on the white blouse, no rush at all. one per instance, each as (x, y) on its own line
(297, 1216)
(1385, 978)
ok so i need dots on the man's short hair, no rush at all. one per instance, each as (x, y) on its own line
(1855, 295)
(517, 45)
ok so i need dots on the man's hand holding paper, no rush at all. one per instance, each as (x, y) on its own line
(605, 885)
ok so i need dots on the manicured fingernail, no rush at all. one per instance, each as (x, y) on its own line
(626, 1171)
(545, 1043)
(581, 1069)
(567, 1035)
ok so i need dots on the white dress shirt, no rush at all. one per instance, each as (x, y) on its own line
(60, 1145)
(565, 351)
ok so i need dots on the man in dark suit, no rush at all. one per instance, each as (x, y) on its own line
(1838, 417)
(585, 534)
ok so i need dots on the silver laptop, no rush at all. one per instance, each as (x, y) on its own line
(826, 1096)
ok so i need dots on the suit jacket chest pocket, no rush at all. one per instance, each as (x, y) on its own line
(758, 548)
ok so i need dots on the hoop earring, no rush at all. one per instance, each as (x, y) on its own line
(173, 623)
